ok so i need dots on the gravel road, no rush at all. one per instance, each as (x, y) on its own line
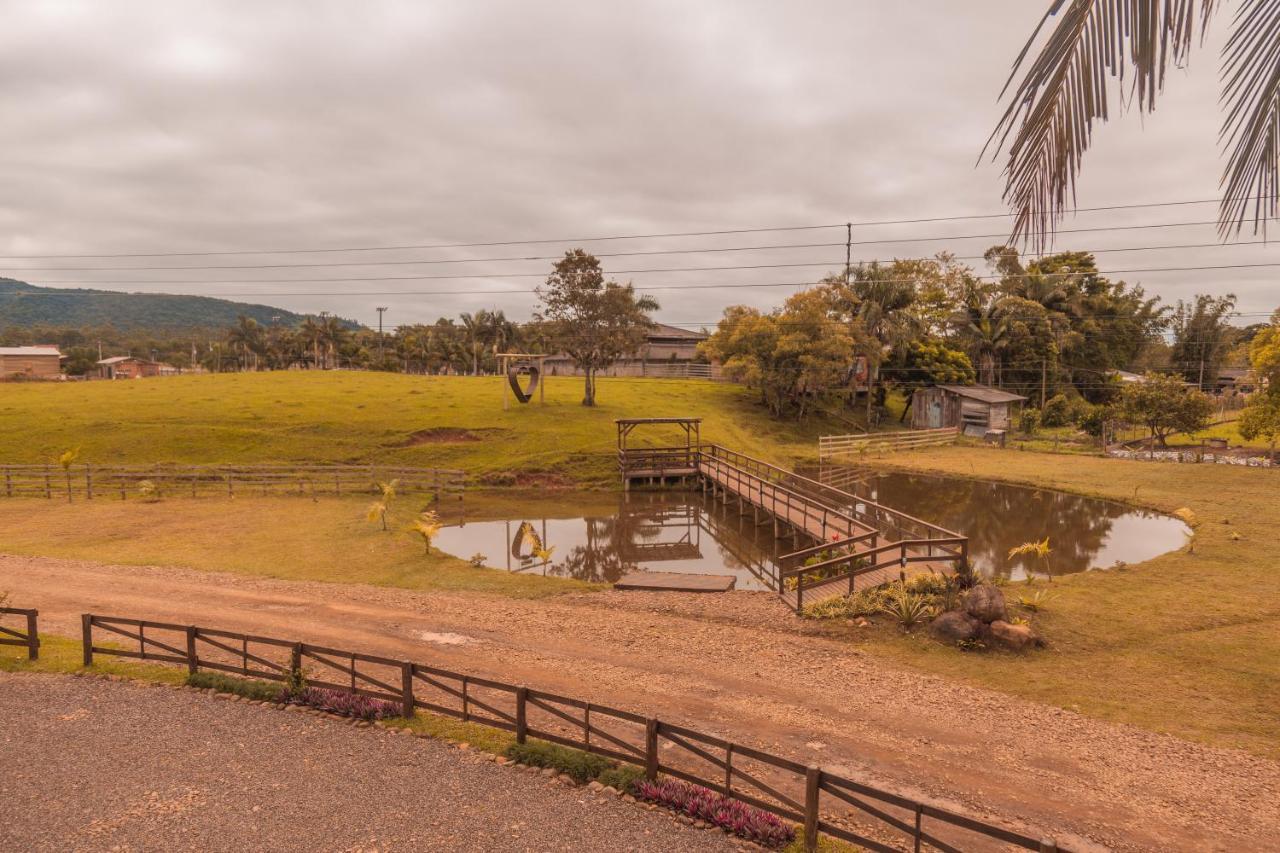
(738, 666)
(102, 765)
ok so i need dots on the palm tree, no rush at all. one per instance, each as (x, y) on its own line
(987, 330)
(313, 334)
(333, 335)
(1048, 124)
(246, 340)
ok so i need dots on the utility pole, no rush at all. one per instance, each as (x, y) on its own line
(381, 311)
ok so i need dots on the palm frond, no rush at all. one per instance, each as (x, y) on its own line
(1251, 127)
(1048, 124)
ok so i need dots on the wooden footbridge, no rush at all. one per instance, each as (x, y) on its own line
(859, 543)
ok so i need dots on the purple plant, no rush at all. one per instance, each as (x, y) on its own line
(340, 702)
(701, 803)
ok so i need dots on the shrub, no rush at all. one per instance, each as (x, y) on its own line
(340, 702)
(622, 778)
(1063, 410)
(478, 560)
(702, 804)
(582, 766)
(927, 584)
(1036, 601)
(249, 688)
(1029, 421)
(909, 609)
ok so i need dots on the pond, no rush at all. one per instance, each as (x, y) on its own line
(670, 531)
(600, 538)
(1084, 533)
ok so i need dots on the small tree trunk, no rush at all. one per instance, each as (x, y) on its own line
(589, 388)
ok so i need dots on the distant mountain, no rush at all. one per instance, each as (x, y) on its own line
(23, 304)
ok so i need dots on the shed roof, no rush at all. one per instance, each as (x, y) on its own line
(116, 359)
(662, 330)
(983, 393)
(34, 350)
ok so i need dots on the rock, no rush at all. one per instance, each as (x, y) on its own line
(464, 746)
(612, 790)
(1016, 637)
(627, 798)
(955, 626)
(549, 772)
(566, 778)
(985, 603)
(595, 786)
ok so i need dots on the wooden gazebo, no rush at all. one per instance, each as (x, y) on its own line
(658, 463)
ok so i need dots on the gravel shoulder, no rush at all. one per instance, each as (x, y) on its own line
(103, 765)
(737, 667)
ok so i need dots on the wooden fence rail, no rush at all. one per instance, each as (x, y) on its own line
(847, 446)
(123, 482)
(793, 791)
(28, 636)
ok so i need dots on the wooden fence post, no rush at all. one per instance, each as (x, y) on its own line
(33, 635)
(1048, 845)
(522, 725)
(406, 689)
(812, 778)
(86, 637)
(193, 663)
(651, 749)
(48, 488)
(295, 664)
(88, 482)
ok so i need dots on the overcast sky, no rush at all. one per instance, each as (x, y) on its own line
(188, 127)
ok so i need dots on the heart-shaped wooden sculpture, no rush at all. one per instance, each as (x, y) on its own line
(524, 395)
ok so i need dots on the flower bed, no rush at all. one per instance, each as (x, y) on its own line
(339, 702)
(703, 804)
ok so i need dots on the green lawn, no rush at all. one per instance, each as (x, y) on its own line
(1187, 643)
(291, 538)
(372, 417)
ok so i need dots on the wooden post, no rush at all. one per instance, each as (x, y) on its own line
(651, 749)
(1048, 845)
(406, 689)
(522, 725)
(812, 778)
(8, 481)
(86, 637)
(193, 663)
(295, 664)
(88, 481)
(33, 636)
(48, 489)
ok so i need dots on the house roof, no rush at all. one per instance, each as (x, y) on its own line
(662, 330)
(983, 393)
(117, 359)
(35, 350)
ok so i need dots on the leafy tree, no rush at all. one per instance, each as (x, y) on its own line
(1065, 86)
(1261, 419)
(929, 362)
(596, 322)
(796, 357)
(1165, 405)
(1264, 355)
(1202, 337)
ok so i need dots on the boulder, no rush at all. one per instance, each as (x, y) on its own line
(985, 603)
(1015, 637)
(955, 626)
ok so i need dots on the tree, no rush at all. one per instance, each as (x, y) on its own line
(1165, 405)
(1201, 337)
(796, 357)
(1048, 124)
(986, 329)
(1261, 419)
(246, 340)
(929, 362)
(595, 322)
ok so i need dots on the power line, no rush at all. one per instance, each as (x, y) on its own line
(545, 241)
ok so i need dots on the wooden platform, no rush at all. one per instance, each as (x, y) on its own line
(676, 582)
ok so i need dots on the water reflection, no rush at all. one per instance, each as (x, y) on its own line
(684, 532)
(650, 531)
(1084, 533)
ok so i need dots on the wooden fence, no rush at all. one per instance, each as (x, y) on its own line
(845, 446)
(123, 482)
(793, 791)
(28, 636)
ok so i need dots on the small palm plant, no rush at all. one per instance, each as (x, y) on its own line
(1036, 601)
(544, 553)
(148, 491)
(908, 608)
(379, 508)
(66, 460)
(1040, 550)
(426, 525)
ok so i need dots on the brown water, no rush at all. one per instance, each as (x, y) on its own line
(677, 531)
(1084, 533)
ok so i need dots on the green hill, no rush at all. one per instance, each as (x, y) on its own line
(23, 304)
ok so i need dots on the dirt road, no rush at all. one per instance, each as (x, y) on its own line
(94, 765)
(736, 667)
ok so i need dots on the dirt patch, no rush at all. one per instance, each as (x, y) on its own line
(449, 435)
(529, 479)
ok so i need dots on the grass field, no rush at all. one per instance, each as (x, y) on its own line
(372, 417)
(1187, 643)
(290, 538)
